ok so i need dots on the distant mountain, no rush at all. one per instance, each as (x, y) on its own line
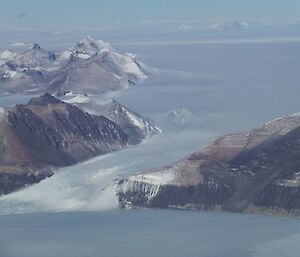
(91, 66)
(255, 172)
(179, 116)
(122, 61)
(230, 25)
(47, 133)
(33, 58)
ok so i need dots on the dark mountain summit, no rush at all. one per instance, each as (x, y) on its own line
(44, 100)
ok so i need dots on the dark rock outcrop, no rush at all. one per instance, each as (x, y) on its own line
(44, 100)
(258, 171)
(10, 182)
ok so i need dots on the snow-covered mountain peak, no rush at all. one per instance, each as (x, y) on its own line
(36, 46)
(36, 50)
(87, 47)
(87, 44)
(90, 42)
(33, 57)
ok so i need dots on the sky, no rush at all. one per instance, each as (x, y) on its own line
(58, 14)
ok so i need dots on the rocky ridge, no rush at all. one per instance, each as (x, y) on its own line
(255, 171)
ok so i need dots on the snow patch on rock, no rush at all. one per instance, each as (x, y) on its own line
(155, 178)
(78, 99)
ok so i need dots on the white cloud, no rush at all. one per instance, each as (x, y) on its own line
(230, 25)
(6, 28)
(120, 23)
(18, 44)
(185, 27)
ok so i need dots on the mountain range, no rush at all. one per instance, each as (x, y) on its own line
(90, 67)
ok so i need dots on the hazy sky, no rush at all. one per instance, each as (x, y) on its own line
(94, 13)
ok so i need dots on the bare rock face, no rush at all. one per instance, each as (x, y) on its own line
(136, 126)
(63, 134)
(257, 171)
(47, 133)
(10, 182)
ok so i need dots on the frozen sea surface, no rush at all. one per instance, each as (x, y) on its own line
(148, 233)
